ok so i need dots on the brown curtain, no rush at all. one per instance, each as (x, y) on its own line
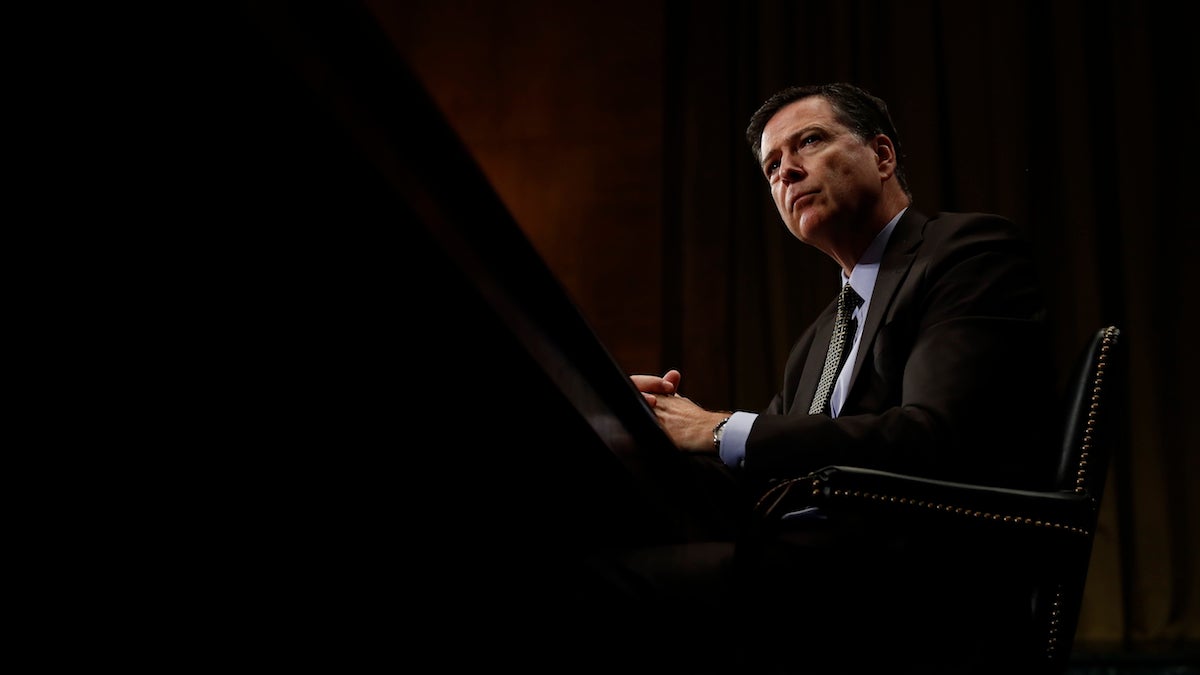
(614, 132)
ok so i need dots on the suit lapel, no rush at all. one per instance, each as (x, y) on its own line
(897, 260)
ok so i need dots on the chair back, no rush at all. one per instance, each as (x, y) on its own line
(1088, 436)
(1094, 424)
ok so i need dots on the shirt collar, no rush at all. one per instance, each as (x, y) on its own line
(862, 277)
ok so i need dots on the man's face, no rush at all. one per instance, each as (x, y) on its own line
(824, 180)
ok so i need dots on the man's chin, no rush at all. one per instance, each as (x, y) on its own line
(808, 227)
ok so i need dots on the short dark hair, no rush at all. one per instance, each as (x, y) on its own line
(865, 114)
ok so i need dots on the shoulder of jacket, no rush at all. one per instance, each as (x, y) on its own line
(946, 225)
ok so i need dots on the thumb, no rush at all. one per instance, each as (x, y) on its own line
(673, 378)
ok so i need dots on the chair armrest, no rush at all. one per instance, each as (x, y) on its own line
(915, 499)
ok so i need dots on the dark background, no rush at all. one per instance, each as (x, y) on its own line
(248, 328)
(613, 132)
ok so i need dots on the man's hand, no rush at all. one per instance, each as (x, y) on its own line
(688, 425)
(652, 386)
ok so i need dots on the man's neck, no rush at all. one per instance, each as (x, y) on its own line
(861, 237)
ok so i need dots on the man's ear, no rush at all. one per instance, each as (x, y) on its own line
(884, 149)
(885, 154)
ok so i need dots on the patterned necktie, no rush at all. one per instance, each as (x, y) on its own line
(843, 327)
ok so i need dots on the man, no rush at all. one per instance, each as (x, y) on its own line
(945, 371)
(949, 343)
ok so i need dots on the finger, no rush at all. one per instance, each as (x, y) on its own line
(672, 378)
(650, 398)
(650, 384)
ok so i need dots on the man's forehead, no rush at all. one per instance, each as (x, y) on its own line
(806, 111)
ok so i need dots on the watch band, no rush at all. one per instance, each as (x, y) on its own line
(718, 432)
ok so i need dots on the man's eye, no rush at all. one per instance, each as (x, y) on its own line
(809, 140)
(772, 167)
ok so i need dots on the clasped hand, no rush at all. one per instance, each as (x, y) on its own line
(688, 425)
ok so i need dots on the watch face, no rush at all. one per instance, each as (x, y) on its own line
(719, 430)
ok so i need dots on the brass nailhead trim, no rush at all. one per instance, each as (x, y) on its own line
(1110, 336)
(1055, 615)
(958, 510)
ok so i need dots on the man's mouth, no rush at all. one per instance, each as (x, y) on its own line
(796, 200)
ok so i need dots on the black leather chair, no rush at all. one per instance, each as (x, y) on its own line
(1038, 542)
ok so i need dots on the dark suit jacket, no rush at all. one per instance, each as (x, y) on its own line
(953, 378)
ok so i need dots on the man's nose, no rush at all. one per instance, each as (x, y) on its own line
(789, 170)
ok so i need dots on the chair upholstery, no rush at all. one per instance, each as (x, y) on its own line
(1050, 532)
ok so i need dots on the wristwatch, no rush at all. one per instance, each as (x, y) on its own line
(718, 433)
